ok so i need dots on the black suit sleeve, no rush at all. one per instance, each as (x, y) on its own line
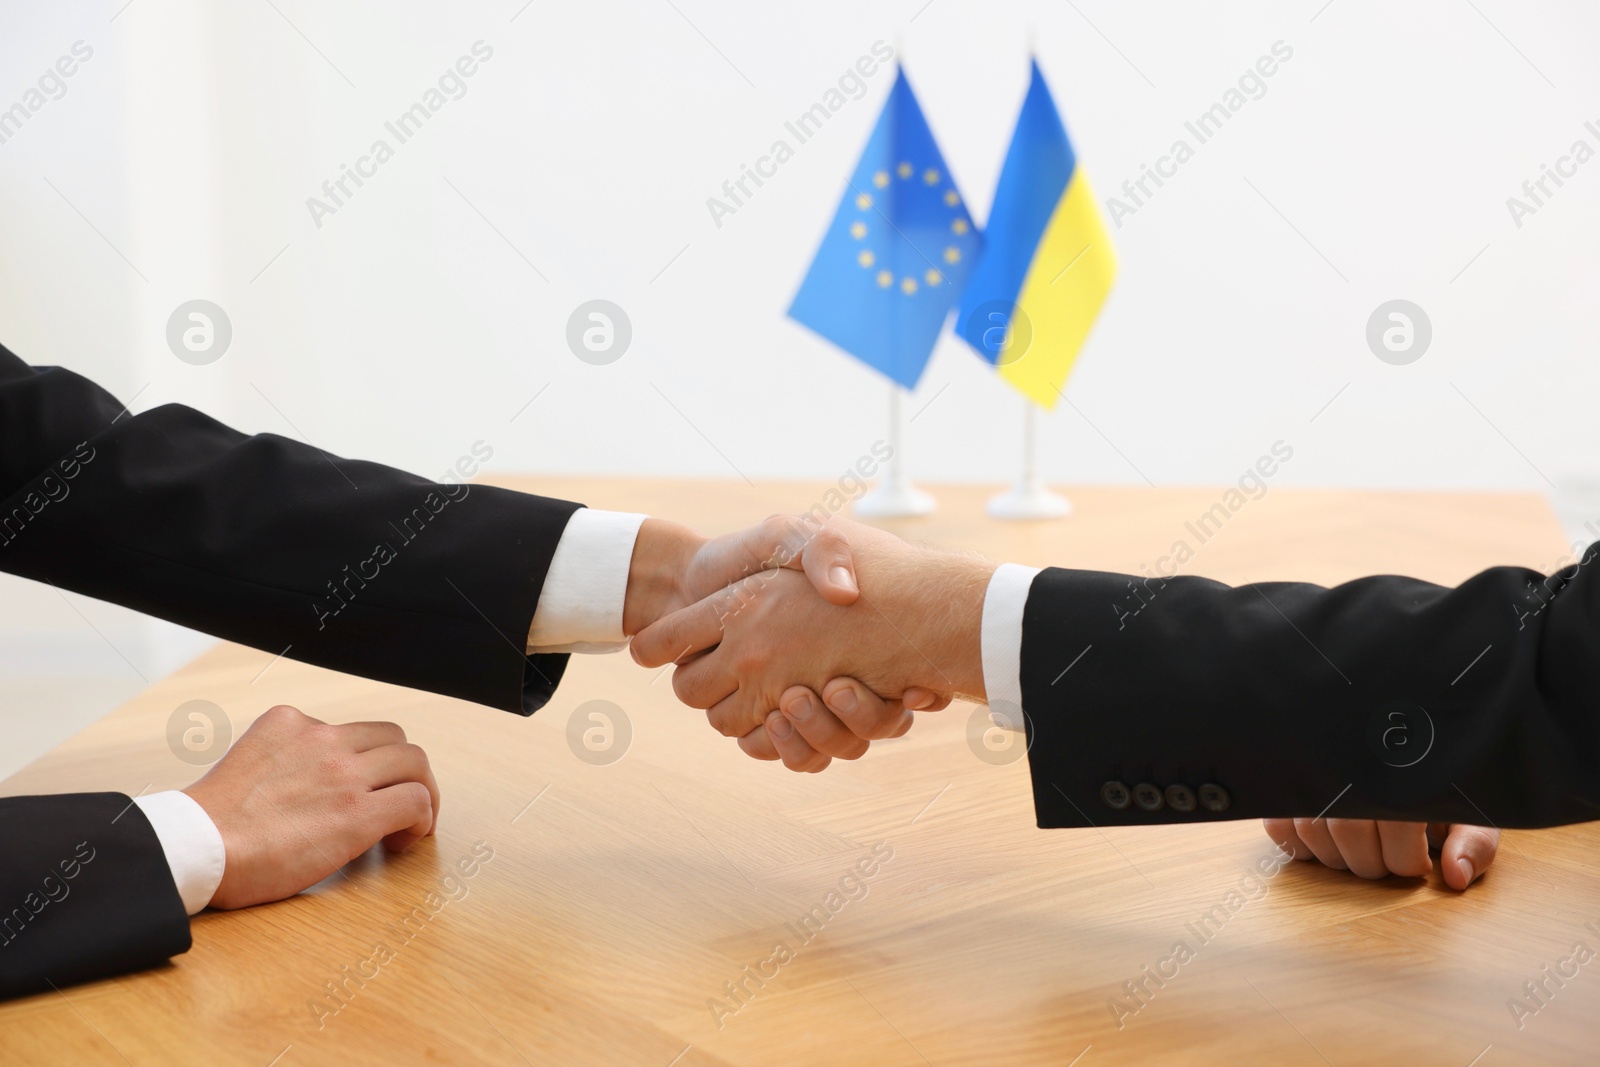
(1384, 698)
(272, 543)
(85, 892)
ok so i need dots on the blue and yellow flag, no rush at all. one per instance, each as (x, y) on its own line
(1048, 262)
(899, 249)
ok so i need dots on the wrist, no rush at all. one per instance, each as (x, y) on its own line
(940, 597)
(661, 556)
(217, 810)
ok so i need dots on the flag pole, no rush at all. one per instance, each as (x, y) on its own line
(894, 497)
(1028, 498)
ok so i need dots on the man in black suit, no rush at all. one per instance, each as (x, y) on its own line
(1180, 700)
(471, 591)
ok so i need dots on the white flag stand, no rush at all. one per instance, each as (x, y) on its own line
(1028, 498)
(894, 497)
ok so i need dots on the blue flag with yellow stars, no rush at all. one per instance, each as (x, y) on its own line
(898, 252)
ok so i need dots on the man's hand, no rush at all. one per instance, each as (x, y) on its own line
(1377, 849)
(916, 624)
(674, 567)
(296, 799)
(808, 731)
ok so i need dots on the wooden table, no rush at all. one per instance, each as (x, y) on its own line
(623, 899)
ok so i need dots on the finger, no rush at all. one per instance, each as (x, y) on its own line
(403, 814)
(736, 714)
(1468, 851)
(758, 744)
(797, 754)
(800, 542)
(1282, 833)
(684, 632)
(1316, 837)
(820, 728)
(365, 736)
(703, 684)
(919, 699)
(1359, 845)
(868, 715)
(828, 563)
(1405, 848)
(396, 764)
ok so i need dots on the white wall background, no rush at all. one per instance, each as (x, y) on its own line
(428, 311)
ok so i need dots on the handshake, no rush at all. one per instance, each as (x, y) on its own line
(807, 640)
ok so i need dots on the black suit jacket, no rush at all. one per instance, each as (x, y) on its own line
(88, 892)
(1384, 698)
(260, 540)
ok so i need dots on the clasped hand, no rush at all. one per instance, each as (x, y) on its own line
(811, 668)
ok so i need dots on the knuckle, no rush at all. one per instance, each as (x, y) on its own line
(421, 802)
(718, 724)
(684, 688)
(285, 715)
(337, 768)
(774, 527)
(350, 804)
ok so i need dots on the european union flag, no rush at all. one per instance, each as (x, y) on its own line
(894, 260)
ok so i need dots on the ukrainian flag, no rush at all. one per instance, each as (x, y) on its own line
(900, 248)
(1047, 263)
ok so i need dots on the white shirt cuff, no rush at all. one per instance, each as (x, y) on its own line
(580, 606)
(194, 848)
(1003, 605)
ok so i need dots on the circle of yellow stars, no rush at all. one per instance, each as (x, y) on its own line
(958, 226)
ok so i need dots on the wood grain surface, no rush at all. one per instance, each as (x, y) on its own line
(632, 911)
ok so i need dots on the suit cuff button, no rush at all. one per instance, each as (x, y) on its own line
(1180, 798)
(1114, 795)
(1148, 797)
(1214, 798)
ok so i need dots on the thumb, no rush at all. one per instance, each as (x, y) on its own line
(829, 564)
(1467, 853)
